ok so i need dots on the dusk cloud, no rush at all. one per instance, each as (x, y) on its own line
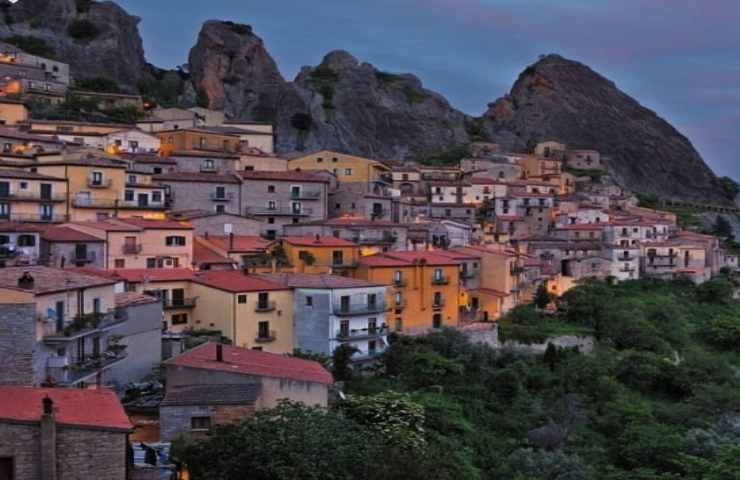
(677, 57)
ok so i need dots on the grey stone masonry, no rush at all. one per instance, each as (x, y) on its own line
(17, 343)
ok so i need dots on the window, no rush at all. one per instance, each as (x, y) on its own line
(119, 263)
(263, 329)
(335, 159)
(128, 195)
(398, 277)
(372, 301)
(437, 321)
(241, 299)
(337, 257)
(372, 347)
(157, 170)
(271, 205)
(175, 241)
(438, 298)
(179, 319)
(438, 274)
(156, 196)
(200, 423)
(220, 208)
(26, 241)
(319, 160)
(271, 189)
(263, 300)
(96, 178)
(271, 220)
(344, 303)
(348, 171)
(399, 298)
(132, 179)
(208, 164)
(372, 326)
(399, 324)
(344, 328)
(151, 263)
(24, 185)
(309, 301)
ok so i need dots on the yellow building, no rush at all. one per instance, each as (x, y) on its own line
(319, 254)
(197, 139)
(496, 292)
(347, 168)
(32, 197)
(141, 243)
(251, 311)
(12, 112)
(426, 288)
(65, 127)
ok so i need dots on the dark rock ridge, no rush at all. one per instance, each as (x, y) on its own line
(107, 42)
(340, 104)
(564, 100)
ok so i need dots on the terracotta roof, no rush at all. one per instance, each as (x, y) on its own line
(147, 158)
(131, 299)
(405, 259)
(322, 241)
(50, 280)
(8, 173)
(19, 227)
(204, 154)
(203, 254)
(212, 394)
(195, 177)
(252, 362)
(107, 226)
(304, 280)
(98, 408)
(236, 281)
(156, 224)
(66, 234)
(456, 254)
(139, 275)
(285, 176)
(241, 243)
(18, 135)
(491, 292)
(87, 162)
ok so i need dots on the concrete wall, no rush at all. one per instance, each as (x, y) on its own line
(311, 324)
(53, 252)
(143, 337)
(174, 420)
(197, 195)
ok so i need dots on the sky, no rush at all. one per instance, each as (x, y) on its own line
(680, 58)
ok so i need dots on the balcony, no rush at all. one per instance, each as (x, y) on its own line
(132, 249)
(88, 257)
(438, 304)
(626, 258)
(33, 197)
(399, 304)
(362, 333)
(262, 338)
(208, 169)
(113, 203)
(628, 270)
(35, 218)
(263, 307)
(65, 372)
(222, 198)
(345, 265)
(467, 274)
(278, 211)
(103, 183)
(399, 282)
(379, 213)
(441, 280)
(360, 309)
(171, 304)
(306, 195)
(80, 326)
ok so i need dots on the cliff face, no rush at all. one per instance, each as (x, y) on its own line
(231, 70)
(566, 101)
(340, 104)
(95, 38)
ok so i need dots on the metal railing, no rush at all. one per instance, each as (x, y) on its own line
(33, 197)
(440, 280)
(270, 337)
(65, 372)
(361, 333)
(265, 307)
(89, 257)
(222, 198)
(438, 303)
(30, 217)
(306, 195)
(103, 183)
(80, 325)
(278, 211)
(171, 304)
(132, 249)
(360, 309)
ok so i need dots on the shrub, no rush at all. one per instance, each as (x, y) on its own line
(98, 84)
(723, 331)
(83, 29)
(32, 45)
(413, 94)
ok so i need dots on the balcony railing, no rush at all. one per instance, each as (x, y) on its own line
(399, 282)
(344, 264)
(222, 198)
(626, 258)
(65, 372)
(362, 333)
(306, 195)
(80, 325)
(263, 307)
(439, 303)
(467, 274)
(360, 309)
(88, 257)
(399, 304)
(270, 337)
(103, 183)
(132, 249)
(205, 169)
(627, 270)
(33, 197)
(86, 202)
(171, 304)
(35, 217)
(442, 280)
(278, 211)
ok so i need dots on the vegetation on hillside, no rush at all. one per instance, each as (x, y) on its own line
(33, 45)
(658, 399)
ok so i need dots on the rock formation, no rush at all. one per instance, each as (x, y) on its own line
(560, 99)
(95, 38)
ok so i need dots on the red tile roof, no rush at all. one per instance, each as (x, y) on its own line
(236, 281)
(490, 291)
(322, 241)
(51, 280)
(138, 275)
(66, 234)
(19, 227)
(98, 408)
(305, 280)
(252, 362)
(22, 174)
(130, 299)
(405, 259)
(157, 224)
(241, 243)
(286, 176)
(202, 253)
(107, 226)
(354, 221)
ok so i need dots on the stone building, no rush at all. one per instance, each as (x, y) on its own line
(213, 192)
(214, 383)
(59, 433)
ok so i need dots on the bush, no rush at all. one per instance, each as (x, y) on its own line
(83, 29)
(718, 290)
(723, 331)
(98, 84)
(32, 45)
(730, 187)
(413, 94)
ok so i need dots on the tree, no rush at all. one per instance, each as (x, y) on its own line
(342, 361)
(718, 290)
(551, 356)
(98, 84)
(730, 187)
(542, 297)
(307, 257)
(723, 228)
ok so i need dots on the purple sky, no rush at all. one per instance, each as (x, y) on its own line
(680, 58)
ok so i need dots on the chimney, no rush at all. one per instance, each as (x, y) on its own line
(231, 241)
(219, 352)
(48, 441)
(206, 235)
(25, 281)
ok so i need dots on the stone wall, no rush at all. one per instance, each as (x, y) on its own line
(197, 195)
(81, 453)
(18, 344)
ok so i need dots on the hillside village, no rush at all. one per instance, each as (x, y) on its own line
(181, 243)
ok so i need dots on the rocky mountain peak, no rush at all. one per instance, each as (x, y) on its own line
(339, 60)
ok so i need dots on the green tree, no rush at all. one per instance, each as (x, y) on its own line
(551, 356)
(730, 187)
(717, 290)
(723, 228)
(98, 84)
(542, 297)
(342, 362)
